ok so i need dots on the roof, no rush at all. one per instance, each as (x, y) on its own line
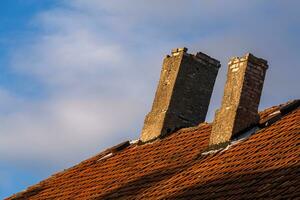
(262, 164)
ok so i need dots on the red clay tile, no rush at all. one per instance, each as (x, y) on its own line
(265, 165)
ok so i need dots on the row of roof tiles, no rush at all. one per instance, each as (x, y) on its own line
(264, 165)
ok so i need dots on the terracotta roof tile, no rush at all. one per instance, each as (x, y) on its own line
(264, 165)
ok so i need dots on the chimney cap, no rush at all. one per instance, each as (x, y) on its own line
(251, 58)
(176, 50)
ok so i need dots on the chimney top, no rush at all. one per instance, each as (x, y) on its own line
(184, 49)
(199, 55)
(250, 58)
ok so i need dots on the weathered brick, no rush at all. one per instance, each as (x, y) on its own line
(241, 98)
(183, 93)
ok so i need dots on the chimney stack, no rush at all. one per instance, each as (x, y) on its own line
(183, 93)
(239, 109)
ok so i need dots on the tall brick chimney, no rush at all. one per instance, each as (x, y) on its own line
(239, 109)
(183, 93)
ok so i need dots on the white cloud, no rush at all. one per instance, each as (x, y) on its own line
(69, 54)
(7, 101)
(63, 129)
(93, 100)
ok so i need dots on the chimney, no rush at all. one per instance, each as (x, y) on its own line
(239, 109)
(183, 93)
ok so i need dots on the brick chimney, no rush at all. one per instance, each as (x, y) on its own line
(239, 109)
(183, 93)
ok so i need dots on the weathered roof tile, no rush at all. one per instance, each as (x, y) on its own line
(264, 165)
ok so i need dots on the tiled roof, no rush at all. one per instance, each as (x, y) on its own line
(263, 165)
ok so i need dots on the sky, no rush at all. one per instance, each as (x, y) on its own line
(79, 76)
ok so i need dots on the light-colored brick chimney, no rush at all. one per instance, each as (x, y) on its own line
(183, 93)
(239, 109)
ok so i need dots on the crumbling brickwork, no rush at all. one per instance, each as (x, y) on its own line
(183, 93)
(239, 109)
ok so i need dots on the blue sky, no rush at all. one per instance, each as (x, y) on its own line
(79, 76)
